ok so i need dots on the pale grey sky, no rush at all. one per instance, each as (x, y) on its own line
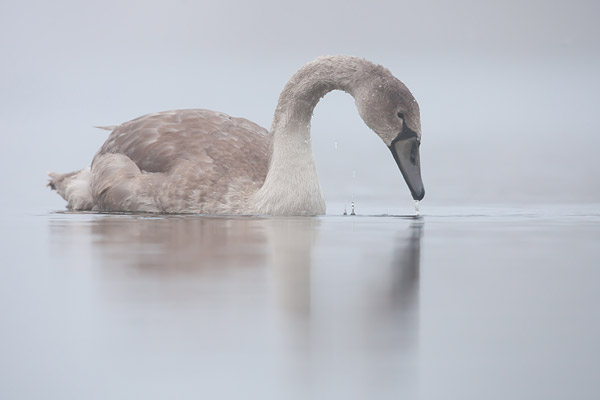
(508, 89)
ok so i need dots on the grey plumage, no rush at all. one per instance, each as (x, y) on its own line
(196, 161)
(201, 161)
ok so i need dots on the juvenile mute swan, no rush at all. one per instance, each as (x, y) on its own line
(200, 161)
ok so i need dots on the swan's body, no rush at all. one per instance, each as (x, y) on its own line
(194, 161)
(200, 161)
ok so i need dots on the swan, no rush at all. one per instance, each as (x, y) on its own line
(207, 162)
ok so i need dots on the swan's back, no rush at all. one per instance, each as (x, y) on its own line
(196, 161)
(157, 142)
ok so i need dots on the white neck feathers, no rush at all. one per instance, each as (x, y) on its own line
(292, 186)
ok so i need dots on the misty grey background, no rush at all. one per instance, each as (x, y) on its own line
(492, 294)
(508, 89)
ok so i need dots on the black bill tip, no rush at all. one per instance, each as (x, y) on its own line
(419, 195)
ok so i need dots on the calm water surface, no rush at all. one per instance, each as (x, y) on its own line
(474, 303)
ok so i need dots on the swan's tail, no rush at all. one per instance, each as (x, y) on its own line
(74, 187)
(107, 128)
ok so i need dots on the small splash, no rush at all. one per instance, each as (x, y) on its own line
(352, 213)
(417, 212)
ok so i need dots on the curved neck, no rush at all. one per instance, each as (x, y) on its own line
(291, 186)
(307, 86)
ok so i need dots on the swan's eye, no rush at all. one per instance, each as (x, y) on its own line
(400, 115)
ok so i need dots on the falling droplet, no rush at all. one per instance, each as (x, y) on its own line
(417, 213)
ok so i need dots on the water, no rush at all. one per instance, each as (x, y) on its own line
(469, 303)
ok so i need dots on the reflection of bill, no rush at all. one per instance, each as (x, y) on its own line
(348, 306)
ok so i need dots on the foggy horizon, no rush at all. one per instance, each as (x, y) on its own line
(507, 91)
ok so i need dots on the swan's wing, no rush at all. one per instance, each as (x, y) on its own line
(158, 142)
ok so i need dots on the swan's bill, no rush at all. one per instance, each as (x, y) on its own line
(406, 153)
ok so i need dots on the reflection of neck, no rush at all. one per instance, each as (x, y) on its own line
(291, 186)
(290, 242)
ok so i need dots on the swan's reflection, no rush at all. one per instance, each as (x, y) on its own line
(176, 245)
(324, 304)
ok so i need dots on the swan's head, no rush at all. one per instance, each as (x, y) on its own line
(391, 111)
